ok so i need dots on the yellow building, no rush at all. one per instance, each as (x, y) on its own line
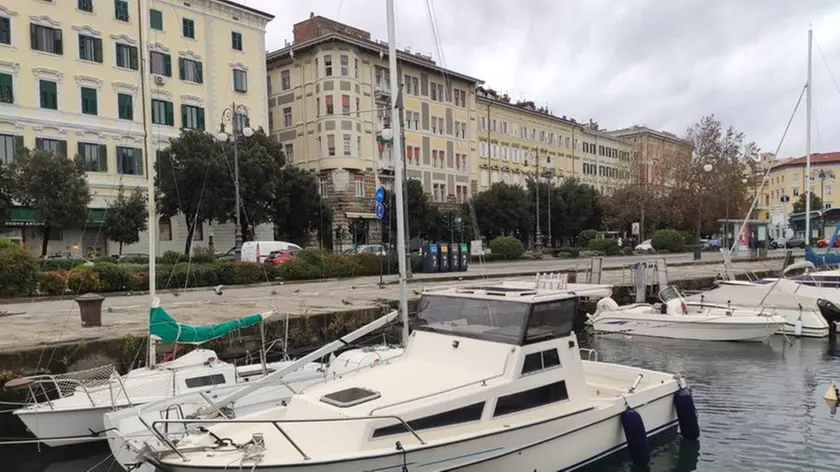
(518, 140)
(329, 97)
(69, 82)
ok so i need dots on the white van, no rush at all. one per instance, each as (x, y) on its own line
(257, 251)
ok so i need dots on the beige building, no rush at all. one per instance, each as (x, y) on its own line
(516, 141)
(329, 97)
(70, 81)
(656, 156)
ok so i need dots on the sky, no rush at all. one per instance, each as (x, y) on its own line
(660, 63)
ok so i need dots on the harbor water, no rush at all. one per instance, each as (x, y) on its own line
(760, 407)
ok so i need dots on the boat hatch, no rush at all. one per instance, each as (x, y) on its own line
(350, 397)
(498, 291)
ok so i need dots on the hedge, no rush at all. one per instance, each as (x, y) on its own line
(18, 270)
(606, 246)
(667, 239)
(507, 247)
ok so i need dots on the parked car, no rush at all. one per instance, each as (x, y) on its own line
(645, 246)
(796, 241)
(376, 249)
(710, 244)
(257, 251)
(279, 257)
(824, 242)
(776, 243)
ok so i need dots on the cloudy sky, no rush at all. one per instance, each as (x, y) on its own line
(659, 63)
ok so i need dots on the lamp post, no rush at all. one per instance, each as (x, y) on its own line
(706, 168)
(823, 175)
(237, 116)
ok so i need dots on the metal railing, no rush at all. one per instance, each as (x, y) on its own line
(591, 354)
(77, 385)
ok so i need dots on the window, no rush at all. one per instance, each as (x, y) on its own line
(156, 20)
(46, 39)
(345, 65)
(49, 95)
(192, 117)
(347, 144)
(328, 65)
(415, 85)
(90, 49)
(207, 380)
(358, 106)
(448, 418)
(188, 28)
(240, 81)
(345, 104)
(162, 113)
(165, 229)
(236, 40)
(434, 158)
(329, 103)
(331, 144)
(536, 397)
(356, 68)
(127, 56)
(85, 5)
(5, 30)
(287, 117)
(482, 149)
(89, 102)
(191, 71)
(359, 186)
(161, 64)
(434, 91)
(537, 361)
(121, 10)
(125, 106)
(358, 146)
(285, 80)
(198, 231)
(551, 320)
(57, 146)
(7, 89)
(8, 148)
(317, 106)
(289, 150)
(494, 320)
(94, 156)
(129, 161)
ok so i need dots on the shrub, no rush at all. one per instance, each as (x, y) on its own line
(224, 272)
(588, 253)
(585, 236)
(566, 252)
(667, 240)
(139, 280)
(626, 251)
(113, 277)
(299, 269)
(204, 255)
(247, 273)
(60, 264)
(54, 282)
(607, 246)
(83, 280)
(507, 247)
(135, 260)
(688, 238)
(18, 270)
(172, 257)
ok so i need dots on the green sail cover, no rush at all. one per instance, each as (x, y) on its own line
(162, 325)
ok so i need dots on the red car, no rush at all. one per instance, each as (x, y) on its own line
(824, 242)
(279, 257)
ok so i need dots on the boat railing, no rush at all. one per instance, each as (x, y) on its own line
(591, 354)
(277, 424)
(84, 382)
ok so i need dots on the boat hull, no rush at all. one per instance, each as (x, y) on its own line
(86, 424)
(684, 327)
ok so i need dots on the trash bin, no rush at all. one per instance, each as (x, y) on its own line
(454, 258)
(443, 266)
(428, 258)
(90, 307)
(465, 257)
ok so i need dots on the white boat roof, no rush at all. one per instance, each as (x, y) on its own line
(540, 291)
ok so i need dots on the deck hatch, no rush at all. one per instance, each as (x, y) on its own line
(350, 397)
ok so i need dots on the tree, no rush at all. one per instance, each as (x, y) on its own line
(6, 193)
(422, 216)
(581, 209)
(296, 206)
(635, 203)
(503, 210)
(799, 205)
(55, 187)
(126, 218)
(546, 191)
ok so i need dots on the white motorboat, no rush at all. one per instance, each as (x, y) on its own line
(491, 380)
(674, 318)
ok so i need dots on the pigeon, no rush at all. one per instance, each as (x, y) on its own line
(346, 302)
(218, 289)
(297, 290)
(353, 287)
(176, 294)
(416, 292)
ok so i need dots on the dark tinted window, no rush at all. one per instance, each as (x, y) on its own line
(216, 379)
(533, 398)
(537, 361)
(551, 320)
(448, 418)
(491, 320)
(349, 397)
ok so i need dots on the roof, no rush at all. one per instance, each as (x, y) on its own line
(645, 130)
(247, 8)
(371, 47)
(816, 160)
(528, 111)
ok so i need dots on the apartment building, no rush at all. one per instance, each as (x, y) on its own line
(329, 99)
(517, 141)
(656, 156)
(70, 82)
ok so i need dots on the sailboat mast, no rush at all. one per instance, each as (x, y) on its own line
(142, 11)
(396, 154)
(808, 145)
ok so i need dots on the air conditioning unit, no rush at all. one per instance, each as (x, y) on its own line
(159, 80)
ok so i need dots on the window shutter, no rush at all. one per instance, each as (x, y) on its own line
(201, 119)
(181, 67)
(80, 151)
(167, 65)
(199, 70)
(62, 148)
(132, 57)
(120, 154)
(39, 143)
(102, 165)
(33, 36)
(138, 162)
(183, 116)
(170, 114)
(81, 47)
(58, 45)
(18, 144)
(97, 50)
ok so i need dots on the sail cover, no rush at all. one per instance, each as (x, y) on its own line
(162, 325)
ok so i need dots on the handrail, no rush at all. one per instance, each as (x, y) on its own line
(276, 424)
(357, 369)
(590, 353)
(429, 395)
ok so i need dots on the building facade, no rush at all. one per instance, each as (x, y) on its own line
(70, 81)
(656, 157)
(518, 141)
(329, 99)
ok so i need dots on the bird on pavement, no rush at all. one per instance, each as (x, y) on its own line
(218, 289)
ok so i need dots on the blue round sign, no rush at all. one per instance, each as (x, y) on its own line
(380, 195)
(380, 211)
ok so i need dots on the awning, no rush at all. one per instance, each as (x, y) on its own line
(357, 214)
(20, 216)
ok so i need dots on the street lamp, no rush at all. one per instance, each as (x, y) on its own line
(706, 168)
(237, 116)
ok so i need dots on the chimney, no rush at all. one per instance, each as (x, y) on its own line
(311, 15)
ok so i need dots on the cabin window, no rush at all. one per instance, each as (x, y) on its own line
(490, 320)
(207, 380)
(551, 320)
(448, 418)
(536, 397)
(350, 397)
(537, 361)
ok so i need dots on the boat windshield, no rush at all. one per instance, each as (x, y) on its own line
(669, 293)
(491, 320)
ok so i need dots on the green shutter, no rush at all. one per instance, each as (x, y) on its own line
(138, 162)
(18, 145)
(39, 143)
(81, 46)
(97, 50)
(125, 106)
(156, 20)
(132, 57)
(167, 65)
(201, 119)
(33, 37)
(181, 67)
(80, 151)
(49, 98)
(199, 71)
(169, 114)
(58, 44)
(62, 148)
(5, 30)
(89, 105)
(7, 94)
(102, 165)
(183, 116)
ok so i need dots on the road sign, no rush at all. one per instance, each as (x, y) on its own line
(380, 195)
(635, 227)
(380, 210)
